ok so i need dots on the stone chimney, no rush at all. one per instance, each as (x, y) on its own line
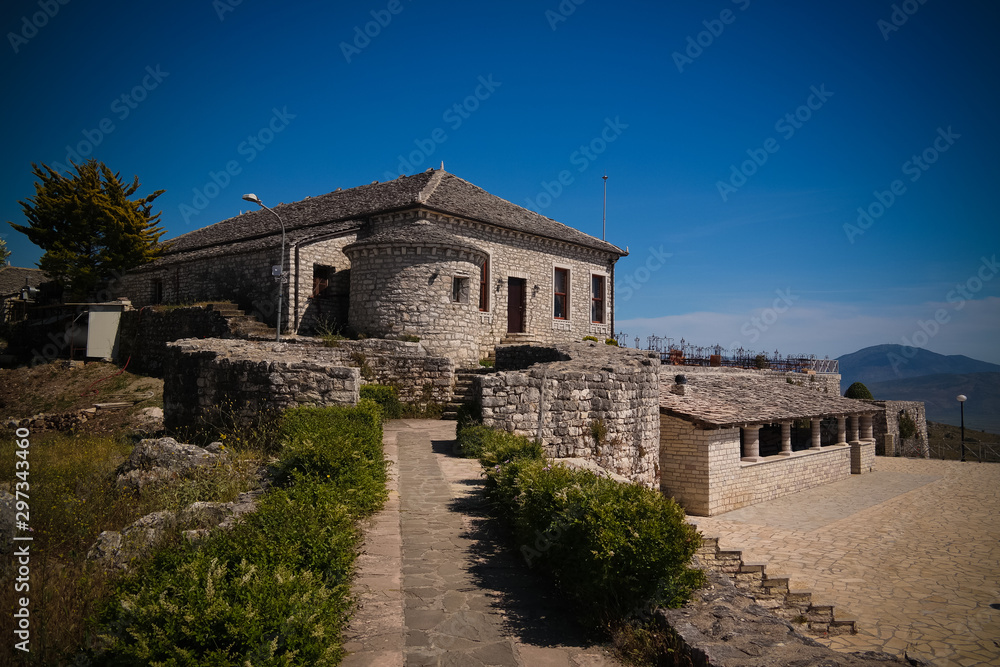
(680, 385)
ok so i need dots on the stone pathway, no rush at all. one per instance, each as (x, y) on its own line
(911, 550)
(436, 585)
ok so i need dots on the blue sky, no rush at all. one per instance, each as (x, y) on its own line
(740, 138)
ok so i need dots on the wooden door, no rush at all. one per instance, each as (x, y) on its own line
(517, 304)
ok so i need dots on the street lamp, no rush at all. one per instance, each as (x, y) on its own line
(961, 402)
(281, 276)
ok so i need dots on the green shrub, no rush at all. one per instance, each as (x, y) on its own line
(487, 362)
(340, 445)
(386, 396)
(591, 338)
(858, 390)
(615, 549)
(611, 341)
(760, 362)
(274, 590)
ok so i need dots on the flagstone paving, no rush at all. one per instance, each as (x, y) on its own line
(911, 550)
(436, 586)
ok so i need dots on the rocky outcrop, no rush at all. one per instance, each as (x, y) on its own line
(119, 549)
(722, 627)
(160, 459)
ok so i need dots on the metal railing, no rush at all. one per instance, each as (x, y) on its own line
(683, 353)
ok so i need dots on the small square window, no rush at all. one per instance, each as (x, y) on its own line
(460, 289)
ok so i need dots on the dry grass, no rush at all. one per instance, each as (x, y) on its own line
(72, 499)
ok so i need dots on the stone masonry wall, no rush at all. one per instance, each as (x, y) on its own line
(202, 375)
(244, 278)
(331, 308)
(144, 334)
(618, 387)
(400, 291)
(885, 427)
(701, 469)
(212, 381)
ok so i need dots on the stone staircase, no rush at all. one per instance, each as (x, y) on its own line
(775, 593)
(241, 324)
(464, 391)
(519, 339)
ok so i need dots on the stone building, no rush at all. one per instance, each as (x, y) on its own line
(428, 255)
(732, 438)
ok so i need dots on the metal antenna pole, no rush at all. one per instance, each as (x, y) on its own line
(604, 222)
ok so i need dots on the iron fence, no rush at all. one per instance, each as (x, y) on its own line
(682, 353)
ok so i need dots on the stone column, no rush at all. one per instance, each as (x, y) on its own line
(751, 436)
(853, 435)
(841, 430)
(817, 437)
(786, 438)
(866, 428)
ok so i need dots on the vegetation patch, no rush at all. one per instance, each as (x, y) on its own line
(273, 590)
(616, 550)
(387, 398)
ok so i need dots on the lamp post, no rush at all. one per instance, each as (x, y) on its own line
(281, 276)
(961, 402)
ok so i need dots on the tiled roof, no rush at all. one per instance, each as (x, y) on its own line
(725, 400)
(346, 209)
(12, 279)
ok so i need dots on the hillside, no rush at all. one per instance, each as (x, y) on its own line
(885, 363)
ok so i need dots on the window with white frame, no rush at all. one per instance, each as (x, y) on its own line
(598, 287)
(560, 293)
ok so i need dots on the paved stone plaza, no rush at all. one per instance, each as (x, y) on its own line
(912, 551)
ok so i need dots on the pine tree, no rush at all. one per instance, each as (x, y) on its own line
(88, 227)
(4, 253)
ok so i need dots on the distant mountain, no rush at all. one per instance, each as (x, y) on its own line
(887, 363)
(938, 392)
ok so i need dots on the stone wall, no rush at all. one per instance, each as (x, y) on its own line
(594, 383)
(143, 334)
(250, 377)
(885, 426)
(409, 290)
(330, 308)
(702, 470)
(212, 382)
(242, 277)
